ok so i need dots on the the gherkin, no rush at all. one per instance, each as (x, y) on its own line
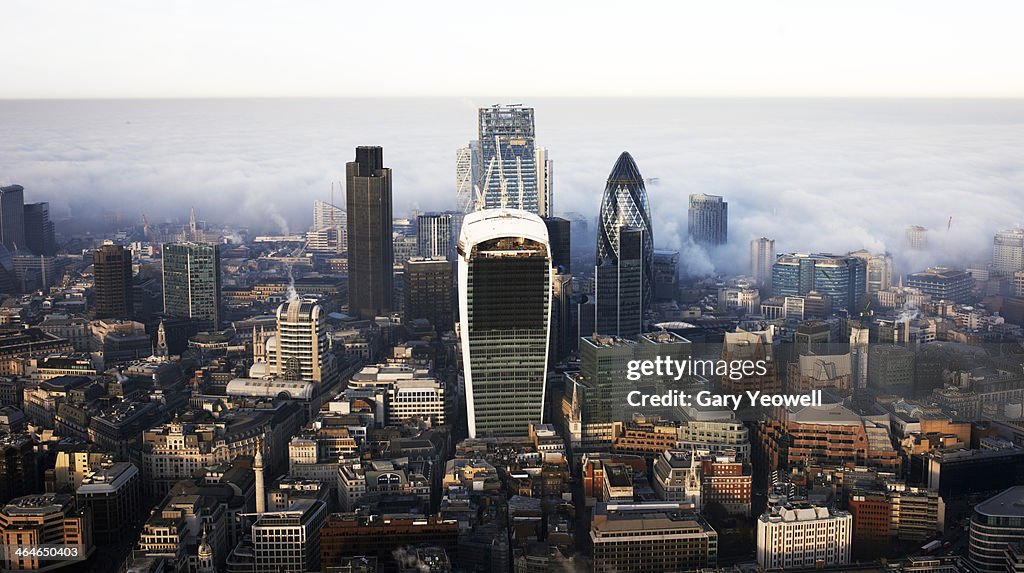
(624, 213)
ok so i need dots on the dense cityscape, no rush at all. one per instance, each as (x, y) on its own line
(459, 390)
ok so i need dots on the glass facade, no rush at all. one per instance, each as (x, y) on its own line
(508, 161)
(192, 282)
(624, 205)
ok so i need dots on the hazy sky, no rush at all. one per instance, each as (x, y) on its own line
(190, 48)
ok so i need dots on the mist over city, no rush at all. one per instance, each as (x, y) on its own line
(829, 175)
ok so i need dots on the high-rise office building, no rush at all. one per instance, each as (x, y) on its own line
(512, 172)
(666, 275)
(563, 326)
(301, 351)
(762, 257)
(559, 233)
(112, 283)
(843, 279)
(620, 287)
(428, 291)
(467, 160)
(39, 233)
(329, 233)
(917, 237)
(1008, 251)
(505, 311)
(624, 214)
(943, 283)
(434, 237)
(289, 540)
(192, 282)
(880, 270)
(12, 217)
(708, 220)
(370, 247)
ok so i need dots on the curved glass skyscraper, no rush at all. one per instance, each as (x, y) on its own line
(625, 251)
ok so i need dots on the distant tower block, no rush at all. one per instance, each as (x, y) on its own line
(917, 237)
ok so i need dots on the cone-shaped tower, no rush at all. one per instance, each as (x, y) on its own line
(625, 265)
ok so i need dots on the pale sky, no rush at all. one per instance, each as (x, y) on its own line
(513, 48)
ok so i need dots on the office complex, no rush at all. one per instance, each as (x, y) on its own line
(762, 257)
(512, 172)
(1008, 251)
(43, 519)
(843, 279)
(112, 282)
(666, 275)
(369, 214)
(289, 540)
(504, 306)
(12, 217)
(329, 233)
(879, 268)
(111, 495)
(708, 220)
(428, 291)
(559, 234)
(435, 235)
(997, 523)
(467, 160)
(651, 537)
(625, 252)
(191, 274)
(803, 536)
(943, 283)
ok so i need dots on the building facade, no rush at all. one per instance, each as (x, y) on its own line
(370, 247)
(192, 282)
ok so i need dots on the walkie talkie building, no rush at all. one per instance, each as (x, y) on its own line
(505, 316)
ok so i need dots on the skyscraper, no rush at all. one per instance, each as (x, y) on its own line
(762, 257)
(708, 220)
(39, 235)
(12, 217)
(434, 235)
(879, 269)
(559, 233)
(467, 161)
(112, 284)
(505, 310)
(192, 282)
(301, 351)
(623, 267)
(329, 232)
(370, 256)
(512, 172)
(917, 237)
(1008, 251)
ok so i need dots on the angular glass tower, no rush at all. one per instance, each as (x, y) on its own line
(624, 213)
(508, 165)
(505, 317)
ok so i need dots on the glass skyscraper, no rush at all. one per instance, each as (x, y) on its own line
(625, 251)
(505, 311)
(513, 173)
(708, 220)
(192, 282)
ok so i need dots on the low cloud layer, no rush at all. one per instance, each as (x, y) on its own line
(816, 175)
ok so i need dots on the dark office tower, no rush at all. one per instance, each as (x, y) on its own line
(370, 248)
(12, 217)
(708, 220)
(563, 325)
(428, 291)
(625, 248)
(112, 272)
(620, 287)
(192, 283)
(39, 236)
(559, 235)
(505, 311)
(666, 275)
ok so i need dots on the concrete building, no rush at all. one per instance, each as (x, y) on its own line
(112, 282)
(1008, 251)
(647, 537)
(428, 291)
(762, 257)
(803, 536)
(44, 519)
(289, 540)
(111, 494)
